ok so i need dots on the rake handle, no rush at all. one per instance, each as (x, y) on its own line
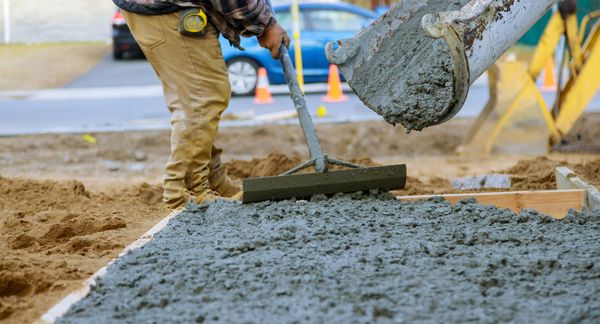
(306, 123)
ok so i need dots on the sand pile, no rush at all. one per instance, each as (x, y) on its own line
(356, 259)
(535, 174)
(54, 234)
(274, 164)
(589, 172)
(539, 173)
(416, 187)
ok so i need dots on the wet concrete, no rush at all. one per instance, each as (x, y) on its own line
(356, 259)
(401, 74)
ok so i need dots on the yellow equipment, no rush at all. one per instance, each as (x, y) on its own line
(516, 118)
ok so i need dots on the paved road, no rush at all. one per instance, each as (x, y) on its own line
(126, 95)
(114, 73)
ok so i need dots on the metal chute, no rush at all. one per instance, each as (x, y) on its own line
(476, 33)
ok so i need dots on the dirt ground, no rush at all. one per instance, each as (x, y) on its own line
(63, 200)
(118, 159)
(27, 67)
(56, 234)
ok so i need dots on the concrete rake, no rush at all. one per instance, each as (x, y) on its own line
(292, 184)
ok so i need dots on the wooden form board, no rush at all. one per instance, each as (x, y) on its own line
(555, 203)
(567, 179)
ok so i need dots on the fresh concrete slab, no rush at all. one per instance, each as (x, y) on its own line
(355, 258)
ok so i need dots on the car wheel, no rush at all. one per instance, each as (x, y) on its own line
(243, 76)
(118, 55)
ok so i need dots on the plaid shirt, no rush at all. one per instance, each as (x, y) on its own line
(231, 18)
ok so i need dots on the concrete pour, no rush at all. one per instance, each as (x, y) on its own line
(410, 81)
(356, 258)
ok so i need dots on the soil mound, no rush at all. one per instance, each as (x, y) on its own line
(539, 173)
(535, 174)
(274, 164)
(416, 187)
(589, 172)
(54, 234)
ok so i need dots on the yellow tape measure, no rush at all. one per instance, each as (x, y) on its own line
(192, 21)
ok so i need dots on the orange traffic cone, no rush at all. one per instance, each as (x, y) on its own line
(334, 86)
(263, 94)
(549, 79)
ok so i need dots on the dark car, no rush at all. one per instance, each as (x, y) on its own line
(123, 42)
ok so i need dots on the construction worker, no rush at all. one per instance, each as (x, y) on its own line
(195, 83)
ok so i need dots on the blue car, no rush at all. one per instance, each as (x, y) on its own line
(320, 23)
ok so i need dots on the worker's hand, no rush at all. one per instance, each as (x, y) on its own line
(272, 38)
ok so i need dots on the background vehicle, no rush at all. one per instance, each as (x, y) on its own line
(123, 41)
(319, 23)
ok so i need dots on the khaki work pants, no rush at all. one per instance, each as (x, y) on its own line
(196, 90)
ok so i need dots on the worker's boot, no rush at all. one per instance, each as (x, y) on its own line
(206, 195)
(225, 186)
(218, 179)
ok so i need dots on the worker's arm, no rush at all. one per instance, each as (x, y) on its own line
(272, 38)
(254, 18)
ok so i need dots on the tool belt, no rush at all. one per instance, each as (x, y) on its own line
(192, 22)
